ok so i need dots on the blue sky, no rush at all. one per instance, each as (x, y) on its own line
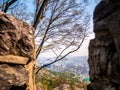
(84, 49)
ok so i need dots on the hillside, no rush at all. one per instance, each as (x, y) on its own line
(51, 80)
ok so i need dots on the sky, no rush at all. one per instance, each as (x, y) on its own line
(83, 51)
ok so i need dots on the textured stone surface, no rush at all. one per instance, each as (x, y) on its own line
(12, 76)
(17, 54)
(16, 37)
(104, 50)
(13, 59)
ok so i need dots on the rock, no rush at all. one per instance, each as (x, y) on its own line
(104, 50)
(63, 87)
(40, 86)
(17, 54)
(16, 37)
(13, 76)
(13, 59)
(67, 87)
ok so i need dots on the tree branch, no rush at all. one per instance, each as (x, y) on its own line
(58, 59)
(39, 13)
(8, 4)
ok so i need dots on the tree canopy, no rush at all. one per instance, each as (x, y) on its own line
(60, 25)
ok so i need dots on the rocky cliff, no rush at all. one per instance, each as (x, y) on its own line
(17, 54)
(104, 50)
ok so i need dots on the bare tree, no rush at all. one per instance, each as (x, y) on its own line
(65, 26)
(40, 7)
(17, 8)
(61, 25)
(21, 12)
(6, 5)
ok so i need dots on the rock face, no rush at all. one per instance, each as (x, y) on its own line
(17, 54)
(104, 50)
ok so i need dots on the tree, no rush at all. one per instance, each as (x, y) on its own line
(40, 7)
(64, 28)
(61, 25)
(22, 12)
(6, 5)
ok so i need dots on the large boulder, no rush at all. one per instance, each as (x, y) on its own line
(17, 54)
(104, 50)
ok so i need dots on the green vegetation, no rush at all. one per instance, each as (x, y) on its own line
(52, 79)
(71, 78)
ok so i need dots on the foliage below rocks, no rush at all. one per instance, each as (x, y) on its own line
(51, 80)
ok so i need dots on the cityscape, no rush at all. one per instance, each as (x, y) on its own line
(77, 65)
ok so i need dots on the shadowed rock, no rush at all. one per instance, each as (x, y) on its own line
(104, 50)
